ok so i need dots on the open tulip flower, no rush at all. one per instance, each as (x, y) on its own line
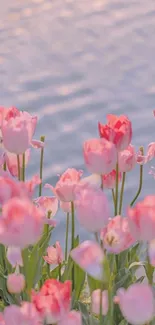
(74, 282)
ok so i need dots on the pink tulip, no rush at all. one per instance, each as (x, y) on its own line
(143, 159)
(65, 206)
(17, 132)
(47, 203)
(89, 256)
(53, 300)
(142, 219)
(15, 283)
(72, 318)
(92, 209)
(127, 159)
(11, 161)
(118, 130)
(95, 302)
(54, 254)
(64, 189)
(24, 315)
(100, 156)
(109, 180)
(137, 303)
(21, 223)
(116, 236)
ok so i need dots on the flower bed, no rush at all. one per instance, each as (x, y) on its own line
(94, 282)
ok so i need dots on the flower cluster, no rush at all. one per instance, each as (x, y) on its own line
(93, 282)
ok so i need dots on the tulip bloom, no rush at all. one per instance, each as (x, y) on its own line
(118, 130)
(64, 189)
(53, 300)
(15, 283)
(142, 219)
(17, 132)
(54, 254)
(89, 256)
(136, 303)
(116, 236)
(95, 302)
(109, 180)
(47, 203)
(21, 223)
(100, 155)
(92, 208)
(127, 159)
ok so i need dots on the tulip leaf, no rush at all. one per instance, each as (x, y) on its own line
(79, 276)
(93, 283)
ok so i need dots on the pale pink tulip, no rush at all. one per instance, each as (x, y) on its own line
(100, 155)
(92, 209)
(37, 144)
(65, 206)
(109, 180)
(150, 154)
(21, 223)
(117, 236)
(14, 256)
(53, 300)
(64, 189)
(118, 130)
(95, 302)
(47, 203)
(24, 315)
(142, 219)
(127, 159)
(89, 256)
(11, 161)
(17, 132)
(72, 318)
(137, 303)
(15, 283)
(54, 254)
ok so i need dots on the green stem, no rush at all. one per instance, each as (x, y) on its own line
(42, 138)
(66, 242)
(116, 189)
(140, 180)
(113, 196)
(102, 185)
(60, 272)
(121, 194)
(23, 168)
(18, 166)
(72, 240)
(4, 166)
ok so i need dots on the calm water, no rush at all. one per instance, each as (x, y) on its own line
(74, 61)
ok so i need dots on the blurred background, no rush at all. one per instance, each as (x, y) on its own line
(73, 61)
